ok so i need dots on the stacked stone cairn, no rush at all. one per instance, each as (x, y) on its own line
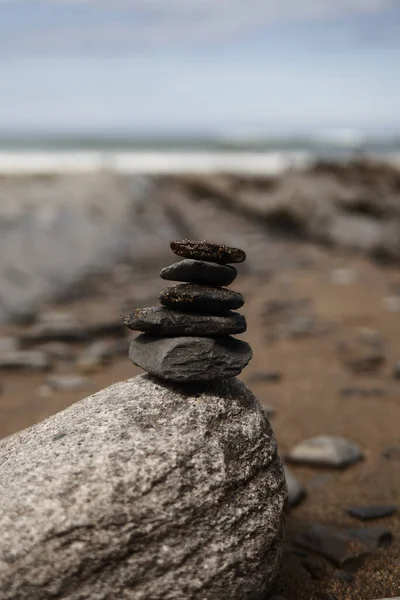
(189, 338)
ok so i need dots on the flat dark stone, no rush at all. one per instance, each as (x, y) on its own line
(367, 513)
(337, 546)
(203, 250)
(190, 359)
(162, 321)
(199, 271)
(372, 537)
(190, 297)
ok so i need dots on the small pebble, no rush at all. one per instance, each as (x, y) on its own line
(199, 271)
(295, 489)
(67, 383)
(352, 392)
(392, 303)
(326, 450)
(203, 250)
(202, 299)
(396, 371)
(392, 452)
(95, 356)
(367, 513)
(9, 344)
(372, 537)
(343, 276)
(59, 351)
(25, 360)
(266, 376)
(334, 544)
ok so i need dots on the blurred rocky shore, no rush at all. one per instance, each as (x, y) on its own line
(61, 232)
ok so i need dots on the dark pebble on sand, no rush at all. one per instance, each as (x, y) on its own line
(202, 299)
(199, 271)
(203, 250)
(162, 321)
(367, 513)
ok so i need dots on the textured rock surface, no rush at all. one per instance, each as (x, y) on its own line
(143, 492)
(199, 271)
(162, 321)
(205, 251)
(200, 298)
(190, 358)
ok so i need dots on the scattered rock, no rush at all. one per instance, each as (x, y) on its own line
(301, 326)
(200, 271)
(335, 545)
(190, 358)
(44, 391)
(396, 371)
(209, 252)
(266, 376)
(59, 351)
(67, 383)
(54, 327)
(351, 392)
(25, 360)
(372, 537)
(392, 303)
(95, 356)
(165, 322)
(392, 452)
(364, 354)
(193, 297)
(326, 450)
(153, 493)
(295, 489)
(344, 276)
(9, 344)
(368, 513)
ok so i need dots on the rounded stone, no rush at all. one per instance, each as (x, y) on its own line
(190, 358)
(158, 320)
(203, 250)
(199, 298)
(143, 491)
(199, 271)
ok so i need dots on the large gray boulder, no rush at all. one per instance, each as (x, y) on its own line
(143, 492)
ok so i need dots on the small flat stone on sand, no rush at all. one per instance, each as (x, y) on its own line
(325, 450)
(161, 321)
(368, 513)
(25, 360)
(295, 489)
(337, 546)
(372, 537)
(67, 383)
(190, 359)
(199, 271)
(198, 298)
(203, 250)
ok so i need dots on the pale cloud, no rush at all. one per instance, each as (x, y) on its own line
(135, 24)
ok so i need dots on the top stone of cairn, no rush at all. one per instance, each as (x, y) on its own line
(203, 250)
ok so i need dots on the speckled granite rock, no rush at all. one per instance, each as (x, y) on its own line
(201, 298)
(143, 491)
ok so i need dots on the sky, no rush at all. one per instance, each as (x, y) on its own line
(199, 65)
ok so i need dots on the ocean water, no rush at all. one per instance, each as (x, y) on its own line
(22, 154)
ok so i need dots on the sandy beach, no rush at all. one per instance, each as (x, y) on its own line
(306, 295)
